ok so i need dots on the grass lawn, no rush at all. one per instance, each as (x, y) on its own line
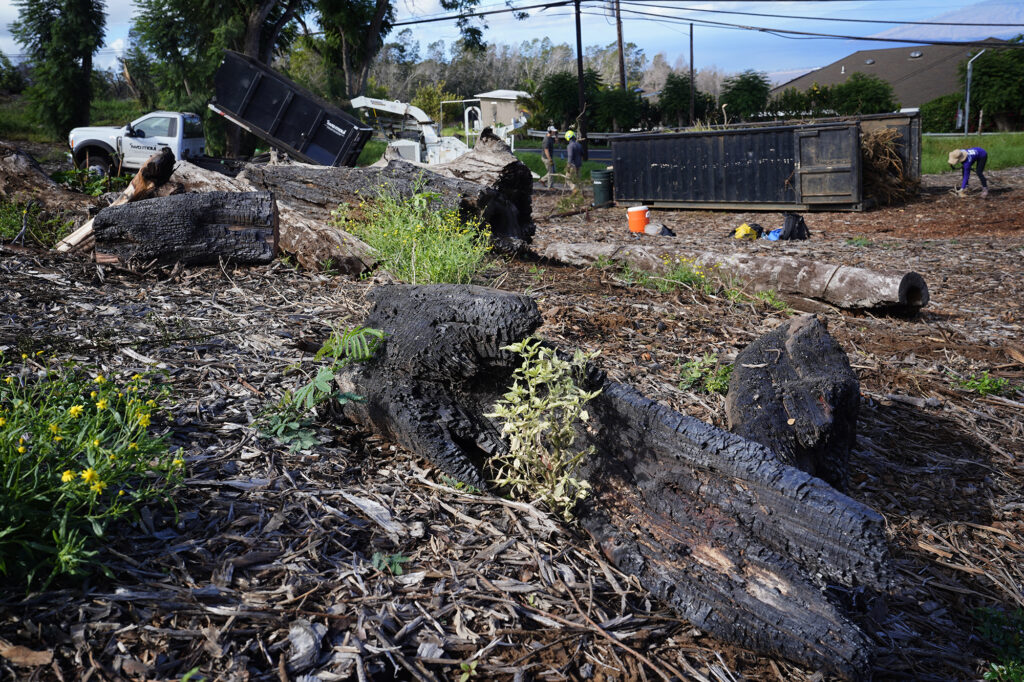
(1004, 150)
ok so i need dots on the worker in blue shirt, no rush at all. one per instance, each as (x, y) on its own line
(975, 157)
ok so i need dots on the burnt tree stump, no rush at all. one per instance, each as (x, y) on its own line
(190, 228)
(739, 542)
(794, 391)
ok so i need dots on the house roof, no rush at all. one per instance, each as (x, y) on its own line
(503, 94)
(917, 74)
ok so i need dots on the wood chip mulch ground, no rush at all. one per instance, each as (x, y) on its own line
(285, 565)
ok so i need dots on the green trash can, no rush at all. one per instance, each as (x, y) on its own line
(602, 180)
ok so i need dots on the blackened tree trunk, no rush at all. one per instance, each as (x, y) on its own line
(734, 538)
(189, 228)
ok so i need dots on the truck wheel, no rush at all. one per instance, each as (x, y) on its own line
(98, 163)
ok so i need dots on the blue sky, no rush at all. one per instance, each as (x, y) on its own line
(730, 50)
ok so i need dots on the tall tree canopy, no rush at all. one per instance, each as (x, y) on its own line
(745, 95)
(60, 38)
(997, 86)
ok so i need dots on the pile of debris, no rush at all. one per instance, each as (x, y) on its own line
(882, 168)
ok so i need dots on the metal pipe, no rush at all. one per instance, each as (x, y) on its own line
(967, 105)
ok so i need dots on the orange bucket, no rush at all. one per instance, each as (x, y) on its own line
(638, 218)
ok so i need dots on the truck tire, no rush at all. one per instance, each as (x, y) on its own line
(99, 163)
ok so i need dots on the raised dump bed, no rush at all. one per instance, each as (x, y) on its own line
(281, 112)
(803, 166)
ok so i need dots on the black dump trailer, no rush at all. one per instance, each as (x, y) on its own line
(800, 166)
(281, 112)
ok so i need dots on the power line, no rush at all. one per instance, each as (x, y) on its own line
(806, 18)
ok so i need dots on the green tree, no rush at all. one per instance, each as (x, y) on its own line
(557, 97)
(863, 94)
(939, 115)
(791, 103)
(11, 79)
(616, 109)
(675, 101)
(745, 96)
(429, 98)
(60, 37)
(997, 85)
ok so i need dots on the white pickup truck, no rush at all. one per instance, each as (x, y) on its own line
(109, 148)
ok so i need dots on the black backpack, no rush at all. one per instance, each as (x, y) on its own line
(794, 227)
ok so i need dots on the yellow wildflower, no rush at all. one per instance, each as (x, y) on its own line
(98, 487)
(120, 492)
(90, 475)
(95, 442)
(102, 404)
(75, 411)
(54, 428)
(112, 457)
(135, 377)
(92, 394)
(133, 446)
(2, 421)
(67, 476)
(57, 439)
(9, 380)
(151, 402)
(143, 419)
(24, 356)
(179, 462)
(21, 449)
(99, 379)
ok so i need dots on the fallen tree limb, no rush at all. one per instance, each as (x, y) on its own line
(717, 525)
(189, 228)
(840, 285)
(153, 174)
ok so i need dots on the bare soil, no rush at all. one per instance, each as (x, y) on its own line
(267, 571)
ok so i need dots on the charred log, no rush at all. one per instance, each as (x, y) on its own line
(151, 177)
(318, 190)
(313, 242)
(839, 285)
(719, 526)
(793, 390)
(190, 228)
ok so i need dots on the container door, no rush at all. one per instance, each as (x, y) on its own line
(828, 165)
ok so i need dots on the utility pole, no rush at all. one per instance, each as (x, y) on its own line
(693, 85)
(579, 77)
(622, 58)
(967, 105)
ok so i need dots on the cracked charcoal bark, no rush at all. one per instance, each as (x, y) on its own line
(736, 540)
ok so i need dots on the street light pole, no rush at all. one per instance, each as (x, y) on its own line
(967, 105)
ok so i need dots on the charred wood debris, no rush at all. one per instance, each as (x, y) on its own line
(360, 559)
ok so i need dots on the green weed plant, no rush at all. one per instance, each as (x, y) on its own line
(392, 563)
(77, 454)
(416, 240)
(984, 384)
(41, 228)
(539, 415)
(81, 180)
(704, 374)
(1004, 632)
(290, 420)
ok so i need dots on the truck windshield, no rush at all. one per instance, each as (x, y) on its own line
(193, 127)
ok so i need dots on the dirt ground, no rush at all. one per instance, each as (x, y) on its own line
(267, 572)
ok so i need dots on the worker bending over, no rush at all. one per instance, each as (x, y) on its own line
(975, 157)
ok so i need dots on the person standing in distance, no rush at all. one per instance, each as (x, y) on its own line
(974, 157)
(548, 151)
(573, 160)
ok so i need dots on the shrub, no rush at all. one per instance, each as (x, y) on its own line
(539, 415)
(704, 374)
(416, 241)
(41, 228)
(76, 455)
(939, 115)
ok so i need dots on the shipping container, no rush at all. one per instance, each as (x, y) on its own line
(807, 166)
(281, 112)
